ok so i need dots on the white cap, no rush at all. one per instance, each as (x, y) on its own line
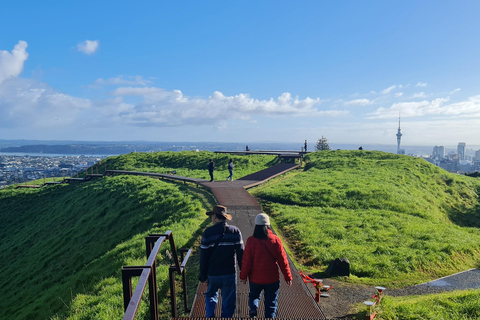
(262, 220)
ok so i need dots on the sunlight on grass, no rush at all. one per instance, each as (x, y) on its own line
(399, 220)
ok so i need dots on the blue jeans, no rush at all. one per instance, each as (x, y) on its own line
(270, 299)
(228, 285)
(230, 177)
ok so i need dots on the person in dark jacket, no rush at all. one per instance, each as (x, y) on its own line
(221, 244)
(211, 167)
(263, 255)
(230, 170)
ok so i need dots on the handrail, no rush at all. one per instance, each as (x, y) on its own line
(157, 175)
(148, 273)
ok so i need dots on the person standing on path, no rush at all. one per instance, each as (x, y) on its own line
(211, 167)
(220, 245)
(230, 170)
(263, 255)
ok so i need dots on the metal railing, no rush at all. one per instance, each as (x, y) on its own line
(148, 274)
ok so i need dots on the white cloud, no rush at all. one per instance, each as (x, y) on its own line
(121, 80)
(358, 102)
(171, 108)
(410, 109)
(11, 64)
(388, 90)
(455, 91)
(33, 104)
(88, 46)
(398, 94)
(419, 95)
(439, 106)
(421, 84)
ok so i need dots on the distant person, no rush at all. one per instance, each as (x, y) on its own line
(247, 148)
(360, 148)
(211, 167)
(305, 146)
(230, 170)
(217, 262)
(262, 257)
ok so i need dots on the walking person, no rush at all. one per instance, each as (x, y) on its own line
(221, 245)
(211, 167)
(263, 255)
(230, 170)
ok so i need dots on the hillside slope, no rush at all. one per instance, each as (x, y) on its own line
(60, 241)
(398, 219)
(62, 247)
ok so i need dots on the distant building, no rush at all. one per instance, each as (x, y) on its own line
(461, 150)
(476, 161)
(438, 152)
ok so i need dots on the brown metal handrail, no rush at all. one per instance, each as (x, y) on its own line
(148, 273)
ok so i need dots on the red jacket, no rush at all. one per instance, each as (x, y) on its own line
(261, 260)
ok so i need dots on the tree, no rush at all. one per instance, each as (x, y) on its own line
(322, 144)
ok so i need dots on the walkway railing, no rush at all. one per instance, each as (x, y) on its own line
(148, 274)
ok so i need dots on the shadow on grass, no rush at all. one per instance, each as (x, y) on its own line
(466, 218)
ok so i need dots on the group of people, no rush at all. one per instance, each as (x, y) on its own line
(211, 168)
(222, 249)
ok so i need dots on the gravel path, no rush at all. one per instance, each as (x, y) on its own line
(344, 295)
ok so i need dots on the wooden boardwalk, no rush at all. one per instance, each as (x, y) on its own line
(294, 302)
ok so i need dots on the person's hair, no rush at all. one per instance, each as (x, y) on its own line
(231, 160)
(261, 232)
(220, 217)
(210, 160)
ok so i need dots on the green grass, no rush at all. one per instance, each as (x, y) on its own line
(62, 247)
(189, 163)
(399, 220)
(458, 305)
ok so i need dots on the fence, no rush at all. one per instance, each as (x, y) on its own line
(148, 274)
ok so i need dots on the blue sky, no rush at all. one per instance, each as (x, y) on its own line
(241, 71)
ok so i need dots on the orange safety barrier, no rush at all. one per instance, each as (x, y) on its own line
(317, 284)
(371, 304)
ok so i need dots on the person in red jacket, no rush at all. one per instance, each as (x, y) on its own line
(262, 257)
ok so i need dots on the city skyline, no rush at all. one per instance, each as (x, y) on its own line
(245, 71)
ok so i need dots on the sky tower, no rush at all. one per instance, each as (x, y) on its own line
(399, 137)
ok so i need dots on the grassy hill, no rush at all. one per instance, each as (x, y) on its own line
(189, 163)
(62, 247)
(399, 220)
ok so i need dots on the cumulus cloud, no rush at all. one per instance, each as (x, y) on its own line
(439, 106)
(358, 102)
(421, 84)
(26, 102)
(31, 103)
(11, 63)
(171, 108)
(88, 46)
